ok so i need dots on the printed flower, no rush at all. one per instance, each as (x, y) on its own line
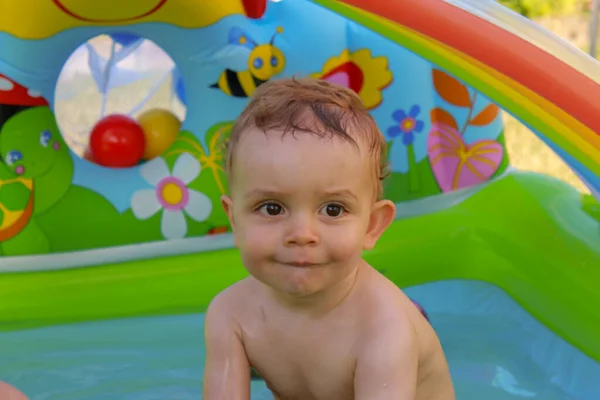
(456, 164)
(172, 195)
(408, 125)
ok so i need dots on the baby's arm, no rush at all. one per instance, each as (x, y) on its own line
(227, 371)
(387, 364)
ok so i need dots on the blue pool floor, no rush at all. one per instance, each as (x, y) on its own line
(495, 350)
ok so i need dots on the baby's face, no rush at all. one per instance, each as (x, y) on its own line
(300, 207)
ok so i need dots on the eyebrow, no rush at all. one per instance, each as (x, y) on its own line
(263, 194)
(342, 194)
(268, 194)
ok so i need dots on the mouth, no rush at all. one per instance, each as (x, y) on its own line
(301, 264)
(86, 14)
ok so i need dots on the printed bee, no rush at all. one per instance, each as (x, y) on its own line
(264, 62)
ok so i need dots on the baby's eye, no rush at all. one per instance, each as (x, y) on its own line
(271, 209)
(332, 210)
(45, 138)
(13, 156)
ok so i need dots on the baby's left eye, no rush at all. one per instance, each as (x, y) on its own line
(45, 138)
(332, 210)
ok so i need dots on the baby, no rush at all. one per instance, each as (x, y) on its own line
(305, 164)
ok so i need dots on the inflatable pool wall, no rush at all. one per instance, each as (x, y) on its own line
(76, 205)
(462, 213)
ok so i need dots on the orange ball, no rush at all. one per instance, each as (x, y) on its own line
(161, 128)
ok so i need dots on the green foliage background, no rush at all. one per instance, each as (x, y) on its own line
(542, 8)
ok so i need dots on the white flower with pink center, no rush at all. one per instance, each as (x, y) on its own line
(171, 195)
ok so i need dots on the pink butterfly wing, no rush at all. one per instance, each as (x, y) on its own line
(443, 148)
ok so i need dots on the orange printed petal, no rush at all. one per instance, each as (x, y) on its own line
(441, 116)
(450, 89)
(486, 116)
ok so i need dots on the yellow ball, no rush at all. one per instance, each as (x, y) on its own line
(160, 129)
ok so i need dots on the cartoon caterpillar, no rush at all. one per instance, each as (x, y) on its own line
(264, 62)
(36, 173)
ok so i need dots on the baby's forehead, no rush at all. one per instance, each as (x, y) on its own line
(294, 140)
(294, 151)
(302, 158)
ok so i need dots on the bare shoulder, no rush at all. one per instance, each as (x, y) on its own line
(226, 307)
(231, 294)
(388, 319)
(384, 305)
(388, 314)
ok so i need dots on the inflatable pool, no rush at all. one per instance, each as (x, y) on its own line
(105, 272)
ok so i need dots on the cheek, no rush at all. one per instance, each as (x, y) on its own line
(257, 247)
(254, 239)
(346, 242)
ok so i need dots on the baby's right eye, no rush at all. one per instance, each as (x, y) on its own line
(271, 209)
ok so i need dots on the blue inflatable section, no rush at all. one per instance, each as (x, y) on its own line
(495, 350)
(389, 73)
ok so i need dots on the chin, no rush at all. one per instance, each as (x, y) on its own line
(294, 281)
(307, 283)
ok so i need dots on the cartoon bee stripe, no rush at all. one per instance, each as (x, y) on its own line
(223, 83)
(237, 84)
(247, 81)
(264, 62)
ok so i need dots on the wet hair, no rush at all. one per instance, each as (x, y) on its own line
(314, 106)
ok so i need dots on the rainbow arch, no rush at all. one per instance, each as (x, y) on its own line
(544, 92)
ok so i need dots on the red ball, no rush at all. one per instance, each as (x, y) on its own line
(254, 8)
(117, 141)
(87, 155)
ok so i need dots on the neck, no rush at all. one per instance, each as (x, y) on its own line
(323, 302)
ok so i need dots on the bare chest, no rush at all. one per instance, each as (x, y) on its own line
(308, 364)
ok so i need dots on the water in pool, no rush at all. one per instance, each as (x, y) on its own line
(495, 350)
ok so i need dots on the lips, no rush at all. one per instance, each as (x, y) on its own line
(301, 264)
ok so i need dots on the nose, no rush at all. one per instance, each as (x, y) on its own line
(301, 232)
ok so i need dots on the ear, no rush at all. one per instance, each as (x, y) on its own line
(227, 204)
(382, 215)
